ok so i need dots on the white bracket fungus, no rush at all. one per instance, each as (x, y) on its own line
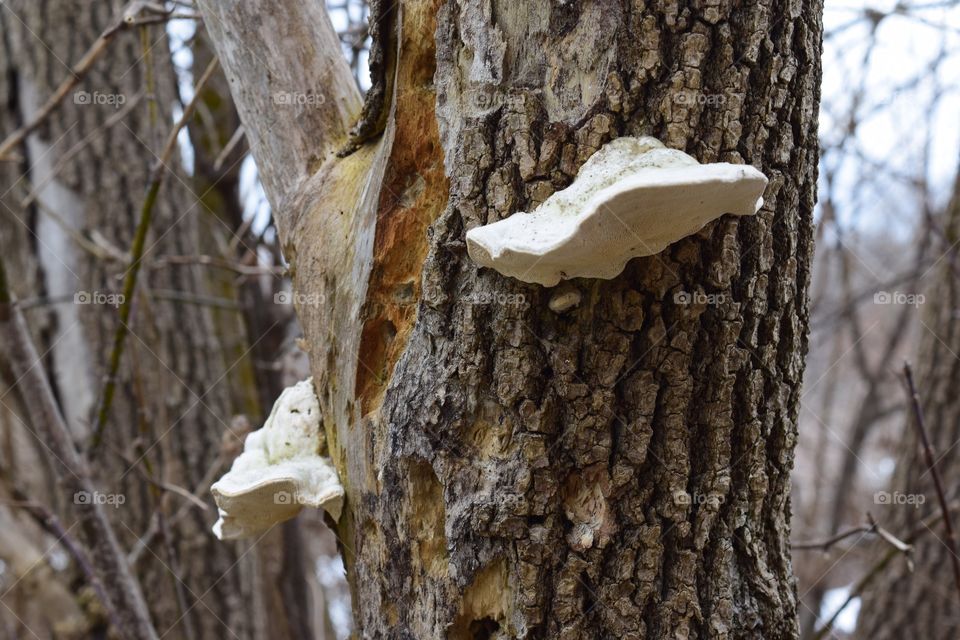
(280, 470)
(564, 300)
(632, 198)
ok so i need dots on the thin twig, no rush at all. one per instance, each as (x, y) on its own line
(136, 256)
(855, 592)
(198, 299)
(81, 241)
(872, 529)
(895, 542)
(212, 261)
(140, 22)
(232, 143)
(824, 545)
(161, 484)
(153, 531)
(934, 472)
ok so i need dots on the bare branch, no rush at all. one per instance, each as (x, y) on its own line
(872, 529)
(49, 521)
(824, 545)
(221, 263)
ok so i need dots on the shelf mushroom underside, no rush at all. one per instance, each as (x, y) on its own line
(639, 215)
(251, 501)
(280, 470)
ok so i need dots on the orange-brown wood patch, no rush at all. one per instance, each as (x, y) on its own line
(413, 195)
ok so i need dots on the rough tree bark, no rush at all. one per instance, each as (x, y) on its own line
(922, 602)
(187, 368)
(617, 470)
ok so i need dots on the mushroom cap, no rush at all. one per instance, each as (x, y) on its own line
(630, 199)
(280, 470)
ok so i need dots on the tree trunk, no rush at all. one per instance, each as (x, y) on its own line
(186, 370)
(921, 601)
(620, 469)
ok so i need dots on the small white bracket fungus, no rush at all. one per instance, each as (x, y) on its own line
(564, 300)
(280, 470)
(632, 198)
